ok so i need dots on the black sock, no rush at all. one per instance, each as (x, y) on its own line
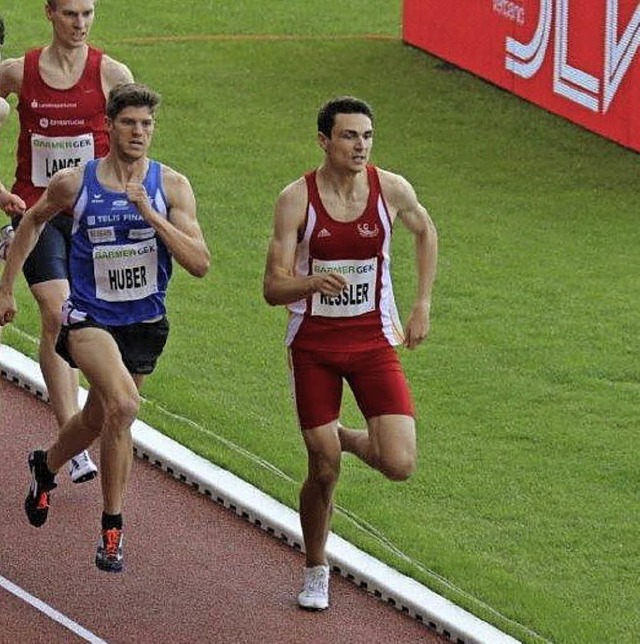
(110, 521)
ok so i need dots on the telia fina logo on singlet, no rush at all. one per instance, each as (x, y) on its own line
(526, 59)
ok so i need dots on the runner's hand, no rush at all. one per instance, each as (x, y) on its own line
(137, 194)
(8, 308)
(12, 204)
(329, 284)
(417, 326)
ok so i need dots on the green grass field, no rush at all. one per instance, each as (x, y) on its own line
(525, 508)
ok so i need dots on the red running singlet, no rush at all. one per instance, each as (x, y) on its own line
(59, 128)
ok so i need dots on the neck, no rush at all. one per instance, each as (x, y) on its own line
(344, 183)
(66, 58)
(121, 171)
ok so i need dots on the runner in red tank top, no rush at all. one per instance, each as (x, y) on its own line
(59, 128)
(329, 263)
(61, 90)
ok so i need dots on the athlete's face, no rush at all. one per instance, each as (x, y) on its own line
(131, 132)
(71, 20)
(350, 144)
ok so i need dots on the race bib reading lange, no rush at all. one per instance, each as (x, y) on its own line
(127, 272)
(52, 153)
(357, 297)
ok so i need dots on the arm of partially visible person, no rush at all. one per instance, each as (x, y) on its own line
(59, 196)
(281, 285)
(10, 203)
(414, 216)
(180, 232)
(10, 75)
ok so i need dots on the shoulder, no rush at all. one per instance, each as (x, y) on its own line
(391, 182)
(402, 201)
(172, 177)
(114, 72)
(176, 185)
(11, 75)
(64, 185)
(294, 194)
(397, 191)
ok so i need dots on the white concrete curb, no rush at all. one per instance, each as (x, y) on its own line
(438, 614)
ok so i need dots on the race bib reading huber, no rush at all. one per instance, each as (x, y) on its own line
(358, 296)
(52, 153)
(127, 272)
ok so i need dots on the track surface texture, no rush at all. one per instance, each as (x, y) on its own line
(194, 570)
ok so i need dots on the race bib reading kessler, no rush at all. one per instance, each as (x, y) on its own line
(125, 273)
(52, 153)
(359, 294)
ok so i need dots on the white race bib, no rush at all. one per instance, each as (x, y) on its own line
(127, 272)
(358, 296)
(52, 153)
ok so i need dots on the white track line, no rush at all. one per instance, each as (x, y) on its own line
(402, 592)
(38, 604)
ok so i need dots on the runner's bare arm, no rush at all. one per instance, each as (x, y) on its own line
(11, 73)
(59, 195)
(402, 198)
(9, 202)
(281, 285)
(180, 232)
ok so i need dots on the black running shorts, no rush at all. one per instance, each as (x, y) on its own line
(140, 344)
(49, 259)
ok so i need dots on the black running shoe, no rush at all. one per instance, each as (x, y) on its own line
(36, 505)
(1, 30)
(109, 554)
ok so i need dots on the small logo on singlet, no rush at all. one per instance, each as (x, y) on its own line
(324, 233)
(365, 231)
(44, 123)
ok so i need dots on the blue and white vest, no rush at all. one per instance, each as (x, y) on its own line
(119, 267)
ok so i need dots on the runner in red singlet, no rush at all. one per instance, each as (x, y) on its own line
(329, 263)
(61, 90)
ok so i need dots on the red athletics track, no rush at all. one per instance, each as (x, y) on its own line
(194, 571)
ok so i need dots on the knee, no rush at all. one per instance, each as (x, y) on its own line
(122, 410)
(51, 322)
(399, 468)
(325, 477)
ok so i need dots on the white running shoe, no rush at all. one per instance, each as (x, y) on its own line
(82, 468)
(315, 592)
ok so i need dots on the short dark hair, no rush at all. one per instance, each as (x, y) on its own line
(131, 95)
(341, 105)
(53, 4)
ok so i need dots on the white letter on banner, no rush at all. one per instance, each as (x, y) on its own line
(618, 54)
(526, 59)
(567, 79)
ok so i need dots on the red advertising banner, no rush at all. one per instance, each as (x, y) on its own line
(576, 58)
